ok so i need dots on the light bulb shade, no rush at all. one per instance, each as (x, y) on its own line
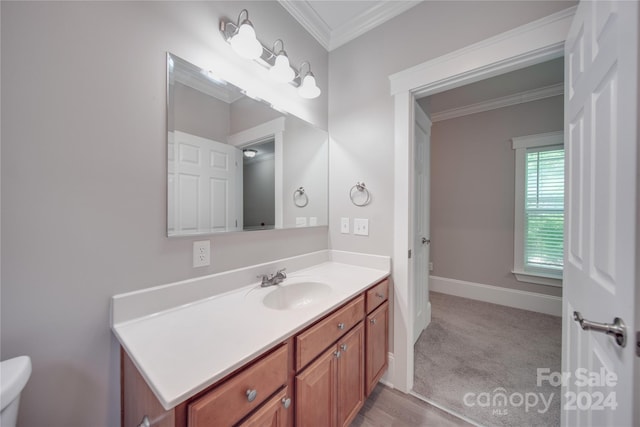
(308, 89)
(245, 43)
(281, 70)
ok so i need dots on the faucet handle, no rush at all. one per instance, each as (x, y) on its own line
(282, 272)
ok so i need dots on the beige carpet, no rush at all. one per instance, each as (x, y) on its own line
(481, 360)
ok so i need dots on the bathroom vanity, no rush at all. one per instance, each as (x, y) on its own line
(304, 353)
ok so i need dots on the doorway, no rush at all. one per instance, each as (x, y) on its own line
(471, 345)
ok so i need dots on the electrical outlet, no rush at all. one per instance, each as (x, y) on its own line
(301, 221)
(202, 253)
(430, 266)
(361, 226)
(344, 225)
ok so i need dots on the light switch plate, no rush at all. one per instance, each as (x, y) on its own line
(313, 221)
(202, 253)
(344, 225)
(361, 226)
(301, 221)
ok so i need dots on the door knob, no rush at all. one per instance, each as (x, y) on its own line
(616, 329)
(425, 240)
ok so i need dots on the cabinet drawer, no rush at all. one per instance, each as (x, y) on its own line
(229, 402)
(324, 333)
(377, 295)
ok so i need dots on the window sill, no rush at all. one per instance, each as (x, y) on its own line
(539, 279)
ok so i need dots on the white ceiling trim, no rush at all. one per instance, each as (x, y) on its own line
(331, 39)
(505, 101)
(309, 19)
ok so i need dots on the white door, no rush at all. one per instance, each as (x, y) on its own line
(421, 227)
(601, 116)
(205, 175)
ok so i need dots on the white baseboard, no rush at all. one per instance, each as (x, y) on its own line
(531, 301)
(386, 378)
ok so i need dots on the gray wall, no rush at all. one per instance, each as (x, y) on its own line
(361, 107)
(473, 190)
(258, 178)
(199, 114)
(84, 181)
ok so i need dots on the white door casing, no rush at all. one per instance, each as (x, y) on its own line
(601, 114)
(530, 44)
(421, 241)
(203, 178)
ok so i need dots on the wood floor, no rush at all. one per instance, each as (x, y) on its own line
(390, 408)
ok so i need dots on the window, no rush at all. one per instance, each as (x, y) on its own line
(539, 210)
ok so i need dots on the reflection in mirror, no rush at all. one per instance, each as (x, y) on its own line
(213, 183)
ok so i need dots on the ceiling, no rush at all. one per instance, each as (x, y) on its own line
(334, 23)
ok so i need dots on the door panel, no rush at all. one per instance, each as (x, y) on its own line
(350, 375)
(316, 391)
(421, 222)
(601, 113)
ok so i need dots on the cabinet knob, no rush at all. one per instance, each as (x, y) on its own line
(337, 354)
(373, 321)
(286, 402)
(251, 395)
(341, 326)
(379, 295)
(343, 347)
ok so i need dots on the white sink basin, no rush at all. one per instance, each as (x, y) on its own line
(296, 295)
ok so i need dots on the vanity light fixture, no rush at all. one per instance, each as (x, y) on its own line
(249, 153)
(242, 38)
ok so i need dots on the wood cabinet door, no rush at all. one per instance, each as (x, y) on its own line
(316, 392)
(274, 413)
(377, 345)
(350, 396)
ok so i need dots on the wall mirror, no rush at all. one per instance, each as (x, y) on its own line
(237, 164)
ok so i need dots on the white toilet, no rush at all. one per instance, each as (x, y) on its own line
(14, 374)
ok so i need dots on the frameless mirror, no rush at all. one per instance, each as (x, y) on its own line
(235, 163)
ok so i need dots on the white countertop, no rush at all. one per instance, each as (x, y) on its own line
(183, 350)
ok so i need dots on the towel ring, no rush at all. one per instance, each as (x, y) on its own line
(300, 198)
(361, 190)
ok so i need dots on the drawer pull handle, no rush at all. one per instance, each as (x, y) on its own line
(286, 402)
(337, 354)
(341, 326)
(379, 295)
(343, 347)
(373, 321)
(251, 395)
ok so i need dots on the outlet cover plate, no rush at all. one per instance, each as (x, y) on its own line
(202, 253)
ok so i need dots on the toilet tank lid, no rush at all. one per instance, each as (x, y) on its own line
(14, 374)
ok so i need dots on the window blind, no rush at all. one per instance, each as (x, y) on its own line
(544, 209)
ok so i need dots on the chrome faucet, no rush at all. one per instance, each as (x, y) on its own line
(273, 279)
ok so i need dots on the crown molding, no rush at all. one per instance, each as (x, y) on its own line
(504, 101)
(377, 15)
(330, 39)
(306, 16)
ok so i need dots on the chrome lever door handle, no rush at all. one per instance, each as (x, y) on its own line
(616, 329)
